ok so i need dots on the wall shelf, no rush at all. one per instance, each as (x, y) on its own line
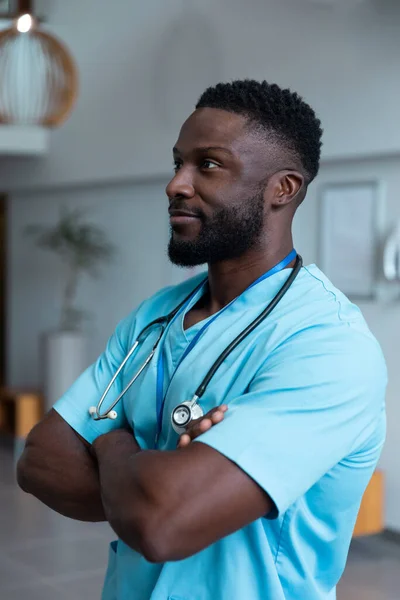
(16, 140)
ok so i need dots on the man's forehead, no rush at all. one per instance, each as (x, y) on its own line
(216, 128)
(252, 147)
(210, 127)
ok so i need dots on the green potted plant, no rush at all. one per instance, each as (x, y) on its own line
(82, 248)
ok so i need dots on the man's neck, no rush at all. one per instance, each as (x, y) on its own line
(228, 279)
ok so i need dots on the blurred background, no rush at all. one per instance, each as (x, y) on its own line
(92, 96)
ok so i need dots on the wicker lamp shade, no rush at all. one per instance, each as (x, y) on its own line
(38, 78)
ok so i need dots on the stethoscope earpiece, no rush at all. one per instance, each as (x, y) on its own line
(93, 412)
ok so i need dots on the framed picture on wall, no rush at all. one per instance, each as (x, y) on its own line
(351, 216)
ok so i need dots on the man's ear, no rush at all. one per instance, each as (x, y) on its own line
(287, 187)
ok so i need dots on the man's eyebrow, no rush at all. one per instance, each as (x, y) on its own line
(205, 149)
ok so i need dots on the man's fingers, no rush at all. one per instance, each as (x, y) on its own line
(218, 410)
(200, 427)
(217, 417)
(196, 428)
(203, 424)
(184, 440)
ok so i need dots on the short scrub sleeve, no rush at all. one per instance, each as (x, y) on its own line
(318, 398)
(87, 390)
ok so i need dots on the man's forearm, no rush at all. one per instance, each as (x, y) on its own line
(72, 490)
(57, 468)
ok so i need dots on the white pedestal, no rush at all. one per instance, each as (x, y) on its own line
(64, 360)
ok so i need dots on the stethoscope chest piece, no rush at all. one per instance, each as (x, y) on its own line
(184, 414)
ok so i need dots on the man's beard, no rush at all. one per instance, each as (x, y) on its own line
(228, 234)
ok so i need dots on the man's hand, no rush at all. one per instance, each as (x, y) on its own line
(199, 426)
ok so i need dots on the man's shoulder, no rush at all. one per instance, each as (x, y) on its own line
(320, 302)
(323, 319)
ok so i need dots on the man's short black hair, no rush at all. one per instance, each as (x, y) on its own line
(277, 111)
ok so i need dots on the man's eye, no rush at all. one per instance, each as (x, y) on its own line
(177, 166)
(209, 164)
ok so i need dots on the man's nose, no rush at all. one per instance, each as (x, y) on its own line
(180, 186)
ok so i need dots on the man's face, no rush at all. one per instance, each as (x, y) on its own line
(217, 196)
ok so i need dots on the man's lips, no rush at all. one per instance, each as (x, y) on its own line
(182, 217)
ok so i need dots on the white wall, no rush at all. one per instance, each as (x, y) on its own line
(136, 221)
(143, 65)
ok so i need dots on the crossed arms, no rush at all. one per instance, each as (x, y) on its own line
(166, 505)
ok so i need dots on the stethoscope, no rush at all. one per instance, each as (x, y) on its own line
(190, 410)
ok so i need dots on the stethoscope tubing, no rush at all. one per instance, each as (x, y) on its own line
(164, 322)
(238, 340)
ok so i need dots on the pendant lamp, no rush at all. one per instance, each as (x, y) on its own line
(38, 76)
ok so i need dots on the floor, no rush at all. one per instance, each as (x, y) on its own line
(46, 557)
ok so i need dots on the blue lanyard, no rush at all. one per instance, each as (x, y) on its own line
(160, 362)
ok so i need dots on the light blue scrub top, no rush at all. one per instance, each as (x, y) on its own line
(306, 421)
